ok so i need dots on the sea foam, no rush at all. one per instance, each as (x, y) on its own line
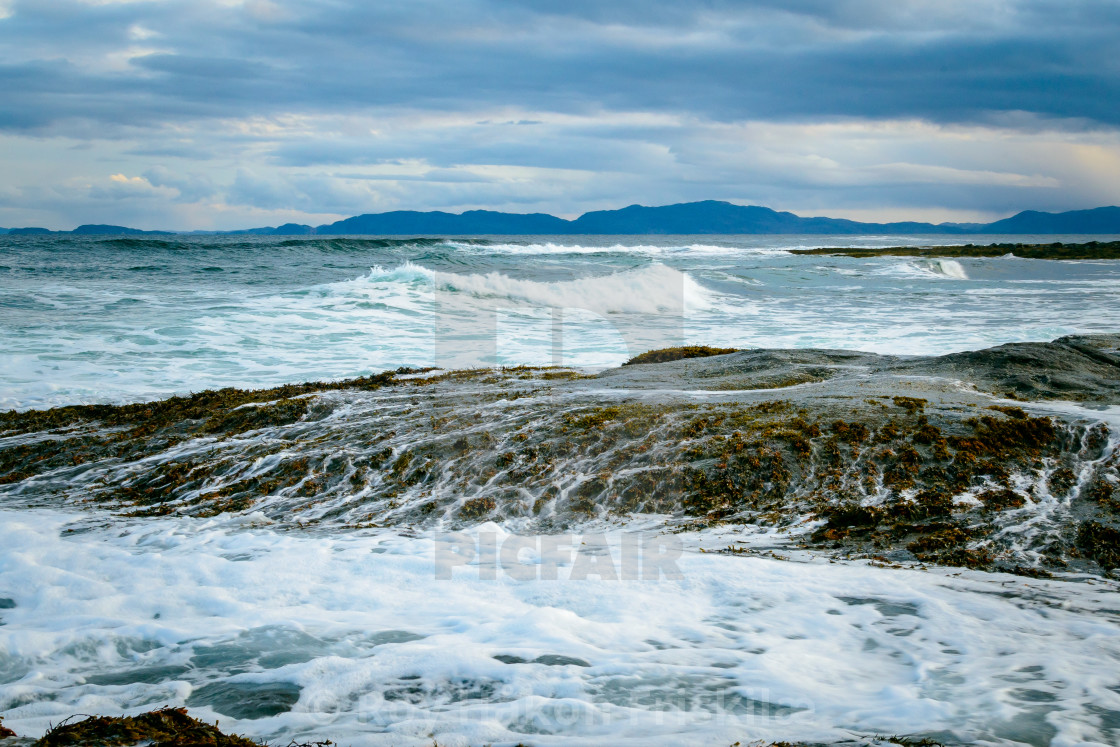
(354, 638)
(89, 320)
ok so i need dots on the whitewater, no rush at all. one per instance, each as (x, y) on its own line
(122, 319)
(378, 636)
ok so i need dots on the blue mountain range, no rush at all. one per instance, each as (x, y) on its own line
(706, 217)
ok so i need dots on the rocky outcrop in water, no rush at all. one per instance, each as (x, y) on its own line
(1002, 458)
(1090, 250)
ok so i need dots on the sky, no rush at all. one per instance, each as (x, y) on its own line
(225, 114)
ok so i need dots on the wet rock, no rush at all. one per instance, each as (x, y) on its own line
(170, 727)
(676, 354)
(559, 660)
(1091, 250)
(1085, 368)
(246, 700)
(851, 453)
(1100, 542)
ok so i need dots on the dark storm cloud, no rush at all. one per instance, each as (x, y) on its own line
(945, 62)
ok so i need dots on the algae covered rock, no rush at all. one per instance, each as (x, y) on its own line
(913, 459)
(169, 727)
(666, 355)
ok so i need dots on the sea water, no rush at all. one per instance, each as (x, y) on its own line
(96, 319)
(358, 636)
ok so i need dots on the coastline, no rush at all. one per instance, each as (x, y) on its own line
(945, 490)
(174, 727)
(855, 455)
(1090, 250)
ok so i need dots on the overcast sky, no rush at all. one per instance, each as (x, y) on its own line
(197, 114)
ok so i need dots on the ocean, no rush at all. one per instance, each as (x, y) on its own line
(121, 319)
(307, 617)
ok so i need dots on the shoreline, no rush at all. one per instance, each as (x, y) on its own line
(873, 489)
(175, 727)
(1056, 251)
(854, 455)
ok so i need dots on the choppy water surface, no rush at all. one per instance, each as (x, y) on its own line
(376, 636)
(354, 637)
(96, 319)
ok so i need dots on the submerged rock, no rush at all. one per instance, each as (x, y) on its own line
(997, 459)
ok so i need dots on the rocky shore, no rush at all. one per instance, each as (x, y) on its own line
(1089, 250)
(1000, 459)
(173, 727)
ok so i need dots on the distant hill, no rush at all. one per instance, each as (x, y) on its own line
(100, 229)
(711, 217)
(292, 229)
(96, 229)
(707, 217)
(470, 222)
(1098, 220)
(288, 229)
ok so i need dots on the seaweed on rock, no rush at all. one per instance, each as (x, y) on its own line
(665, 355)
(1100, 542)
(1091, 250)
(169, 727)
(930, 478)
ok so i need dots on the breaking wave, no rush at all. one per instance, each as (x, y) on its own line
(656, 250)
(949, 268)
(654, 289)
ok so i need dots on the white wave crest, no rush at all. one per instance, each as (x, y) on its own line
(649, 290)
(644, 249)
(949, 268)
(654, 289)
(404, 273)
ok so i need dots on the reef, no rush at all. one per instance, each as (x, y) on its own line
(664, 355)
(168, 727)
(216, 407)
(1056, 250)
(173, 727)
(999, 459)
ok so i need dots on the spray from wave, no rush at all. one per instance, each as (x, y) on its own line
(949, 268)
(653, 250)
(653, 289)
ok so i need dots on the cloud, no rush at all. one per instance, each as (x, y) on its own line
(570, 164)
(190, 187)
(311, 193)
(321, 108)
(948, 62)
